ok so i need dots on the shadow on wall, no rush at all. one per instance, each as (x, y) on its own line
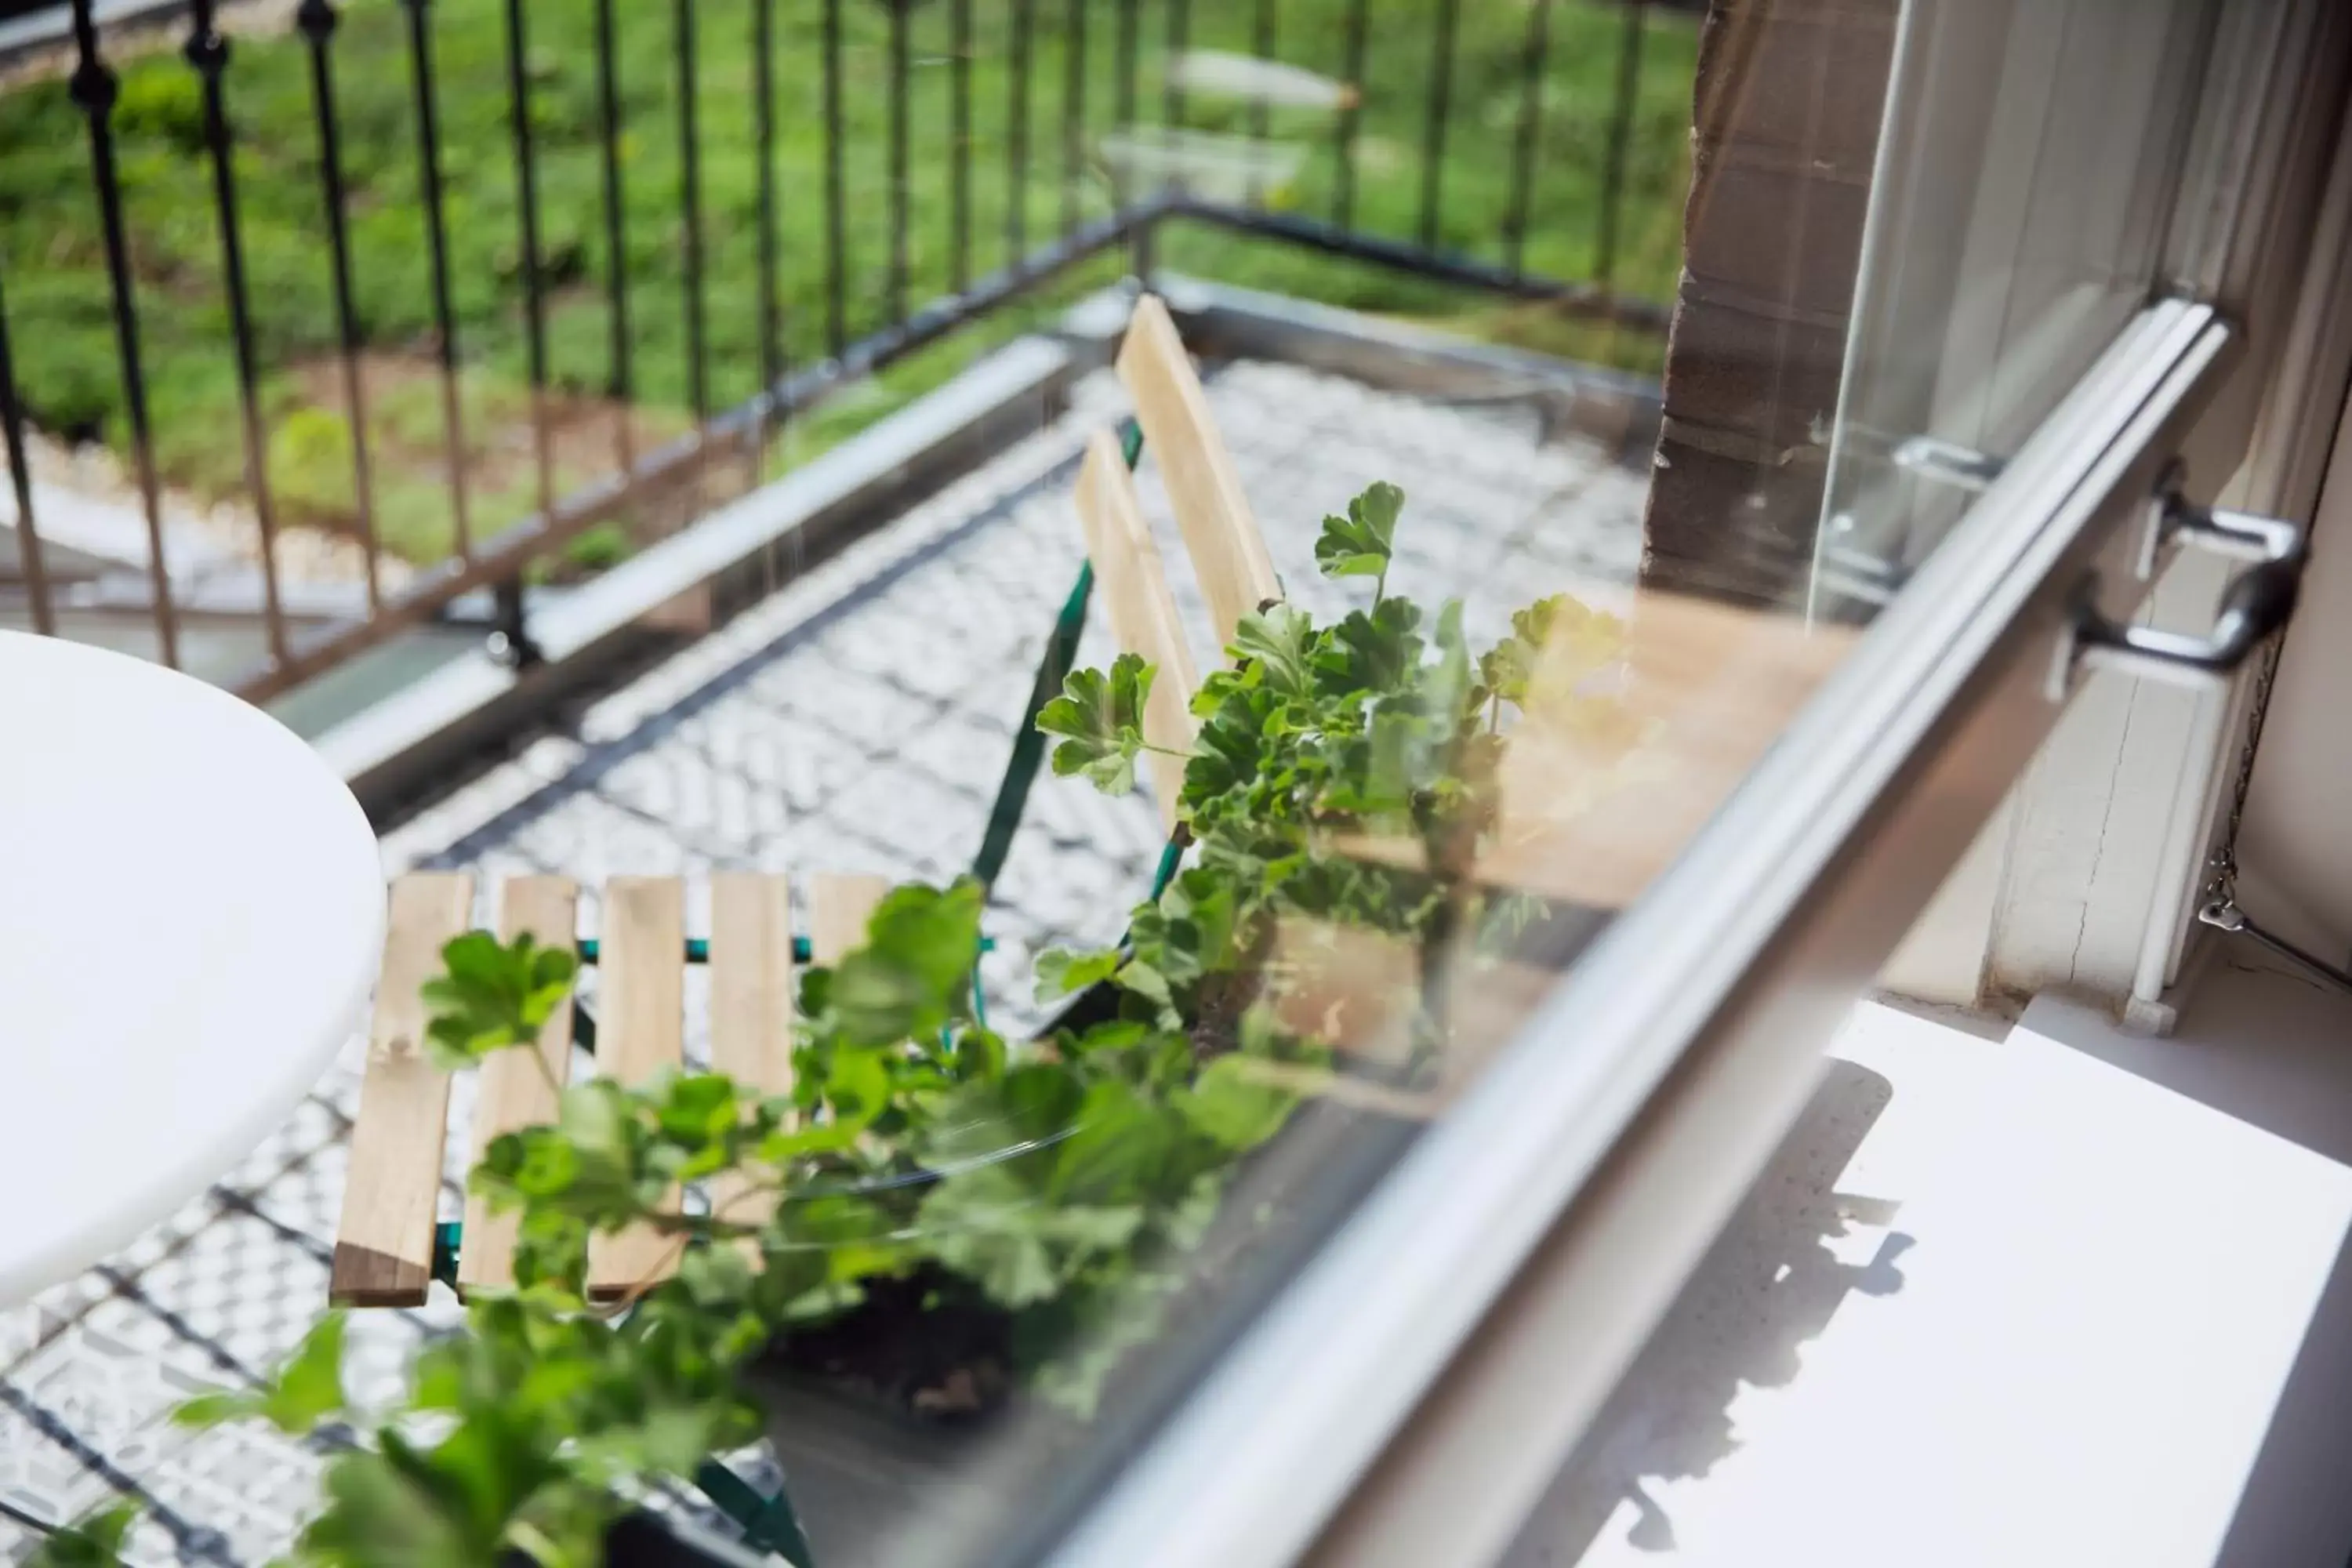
(1772, 1280)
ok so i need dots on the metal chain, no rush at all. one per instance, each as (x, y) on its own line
(2222, 883)
(2221, 908)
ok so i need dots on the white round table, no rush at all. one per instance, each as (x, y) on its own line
(191, 913)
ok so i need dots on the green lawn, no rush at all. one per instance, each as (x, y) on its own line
(52, 261)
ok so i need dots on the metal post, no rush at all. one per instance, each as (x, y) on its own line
(444, 318)
(511, 642)
(317, 20)
(92, 89)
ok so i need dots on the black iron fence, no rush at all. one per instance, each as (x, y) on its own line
(311, 283)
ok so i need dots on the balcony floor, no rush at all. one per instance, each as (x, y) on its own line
(857, 719)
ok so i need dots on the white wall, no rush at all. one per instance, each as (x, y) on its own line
(2295, 847)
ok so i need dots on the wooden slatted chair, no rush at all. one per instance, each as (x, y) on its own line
(1229, 557)
(390, 1244)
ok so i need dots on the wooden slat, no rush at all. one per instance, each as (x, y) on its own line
(383, 1245)
(751, 1007)
(1602, 783)
(840, 906)
(513, 1092)
(1142, 610)
(1592, 813)
(1360, 990)
(1181, 438)
(640, 1030)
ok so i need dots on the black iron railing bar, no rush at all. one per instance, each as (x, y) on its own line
(92, 87)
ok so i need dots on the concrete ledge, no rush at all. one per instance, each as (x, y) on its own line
(418, 741)
(1615, 407)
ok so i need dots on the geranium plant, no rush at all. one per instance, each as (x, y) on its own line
(1058, 1181)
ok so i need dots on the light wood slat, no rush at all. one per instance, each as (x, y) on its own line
(383, 1244)
(1603, 787)
(513, 1092)
(1142, 610)
(640, 1031)
(1360, 991)
(840, 907)
(751, 1007)
(752, 978)
(1181, 436)
(1594, 813)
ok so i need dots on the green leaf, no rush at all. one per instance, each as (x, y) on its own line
(1446, 683)
(1396, 757)
(491, 995)
(1144, 981)
(1111, 1034)
(306, 1390)
(858, 1088)
(1225, 1106)
(543, 1162)
(1203, 907)
(875, 1002)
(94, 1542)
(1031, 1105)
(1228, 752)
(1361, 544)
(913, 976)
(930, 933)
(1117, 1151)
(1580, 640)
(1101, 718)
(552, 1253)
(392, 1510)
(979, 1054)
(1369, 651)
(310, 1388)
(983, 1225)
(699, 1107)
(1278, 641)
(1020, 1249)
(799, 1142)
(1062, 972)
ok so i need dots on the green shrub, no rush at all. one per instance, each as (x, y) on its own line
(412, 521)
(310, 474)
(596, 549)
(69, 386)
(162, 99)
(411, 415)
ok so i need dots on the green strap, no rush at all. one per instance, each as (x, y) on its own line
(1170, 860)
(446, 1236)
(1029, 742)
(697, 950)
(769, 1523)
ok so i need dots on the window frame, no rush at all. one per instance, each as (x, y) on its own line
(1382, 1411)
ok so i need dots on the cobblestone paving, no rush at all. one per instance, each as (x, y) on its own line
(857, 719)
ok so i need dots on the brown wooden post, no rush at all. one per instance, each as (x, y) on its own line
(1784, 132)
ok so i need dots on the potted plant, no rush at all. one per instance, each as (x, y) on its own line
(941, 1233)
